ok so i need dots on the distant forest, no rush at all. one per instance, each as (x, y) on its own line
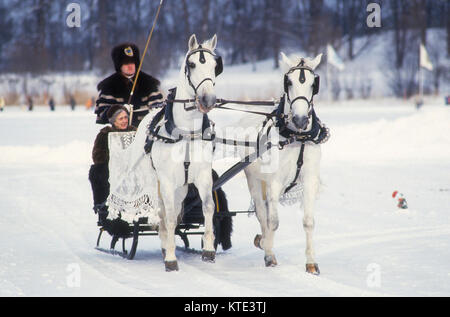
(35, 38)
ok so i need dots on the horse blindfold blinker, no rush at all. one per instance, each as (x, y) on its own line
(219, 62)
(302, 79)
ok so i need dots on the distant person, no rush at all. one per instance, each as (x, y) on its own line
(2, 103)
(51, 103)
(89, 103)
(30, 103)
(418, 100)
(116, 89)
(72, 102)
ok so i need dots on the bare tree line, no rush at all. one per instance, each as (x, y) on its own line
(34, 37)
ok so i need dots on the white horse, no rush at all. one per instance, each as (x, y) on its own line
(169, 159)
(267, 186)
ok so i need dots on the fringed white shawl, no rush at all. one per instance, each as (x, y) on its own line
(133, 182)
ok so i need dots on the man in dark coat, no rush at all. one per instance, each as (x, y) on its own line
(116, 89)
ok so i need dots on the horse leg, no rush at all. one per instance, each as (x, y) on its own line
(209, 252)
(265, 240)
(310, 189)
(162, 229)
(169, 223)
(261, 215)
(254, 187)
(272, 226)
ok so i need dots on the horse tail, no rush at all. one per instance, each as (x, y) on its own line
(225, 223)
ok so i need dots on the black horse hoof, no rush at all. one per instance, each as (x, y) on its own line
(270, 261)
(209, 256)
(171, 266)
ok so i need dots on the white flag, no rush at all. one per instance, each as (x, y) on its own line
(334, 59)
(424, 59)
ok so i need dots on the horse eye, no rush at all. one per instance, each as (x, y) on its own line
(289, 82)
(191, 65)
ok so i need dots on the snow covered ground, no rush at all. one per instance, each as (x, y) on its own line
(365, 246)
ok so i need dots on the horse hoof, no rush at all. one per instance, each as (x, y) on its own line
(209, 256)
(270, 261)
(257, 241)
(171, 266)
(313, 269)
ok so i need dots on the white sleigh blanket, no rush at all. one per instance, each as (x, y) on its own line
(134, 187)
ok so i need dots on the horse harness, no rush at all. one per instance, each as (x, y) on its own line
(302, 78)
(302, 67)
(318, 134)
(205, 134)
(191, 65)
(165, 118)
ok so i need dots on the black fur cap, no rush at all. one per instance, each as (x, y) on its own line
(125, 53)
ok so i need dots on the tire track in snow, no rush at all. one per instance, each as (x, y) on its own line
(136, 277)
(140, 277)
(293, 274)
(227, 279)
(58, 238)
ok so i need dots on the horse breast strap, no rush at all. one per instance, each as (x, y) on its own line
(318, 134)
(173, 130)
(165, 117)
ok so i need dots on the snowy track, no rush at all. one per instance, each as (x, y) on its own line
(48, 229)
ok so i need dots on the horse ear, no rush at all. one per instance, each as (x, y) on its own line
(285, 63)
(193, 44)
(316, 61)
(213, 42)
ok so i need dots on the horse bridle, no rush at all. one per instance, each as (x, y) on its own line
(302, 78)
(190, 65)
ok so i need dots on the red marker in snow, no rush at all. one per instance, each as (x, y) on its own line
(402, 204)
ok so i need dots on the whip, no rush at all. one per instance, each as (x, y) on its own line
(142, 60)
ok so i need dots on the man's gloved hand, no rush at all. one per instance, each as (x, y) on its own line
(158, 105)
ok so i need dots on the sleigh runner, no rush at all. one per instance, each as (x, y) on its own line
(133, 203)
(191, 225)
